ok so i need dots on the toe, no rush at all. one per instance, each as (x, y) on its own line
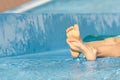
(69, 29)
(76, 27)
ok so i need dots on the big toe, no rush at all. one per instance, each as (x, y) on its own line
(76, 27)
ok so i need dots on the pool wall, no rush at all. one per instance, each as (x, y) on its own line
(37, 33)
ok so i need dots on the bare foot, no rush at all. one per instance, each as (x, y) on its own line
(76, 44)
(88, 51)
(73, 33)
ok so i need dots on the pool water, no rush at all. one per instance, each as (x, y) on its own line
(33, 47)
(58, 65)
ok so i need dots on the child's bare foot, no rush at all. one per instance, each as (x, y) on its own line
(73, 33)
(77, 45)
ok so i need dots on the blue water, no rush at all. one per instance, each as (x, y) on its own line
(78, 6)
(58, 65)
(33, 47)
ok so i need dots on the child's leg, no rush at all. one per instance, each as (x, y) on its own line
(92, 49)
(108, 50)
(105, 48)
(108, 41)
(109, 47)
